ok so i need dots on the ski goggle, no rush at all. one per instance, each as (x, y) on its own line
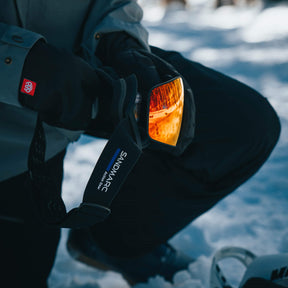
(163, 112)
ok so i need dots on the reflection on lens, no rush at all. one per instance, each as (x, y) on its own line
(166, 111)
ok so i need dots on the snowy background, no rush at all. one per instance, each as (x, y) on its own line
(250, 44)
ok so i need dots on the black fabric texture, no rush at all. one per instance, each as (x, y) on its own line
(27, 247)
(66, 87)
(124, 53)
(112, 106)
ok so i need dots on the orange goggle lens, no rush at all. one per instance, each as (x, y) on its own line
(166, 112)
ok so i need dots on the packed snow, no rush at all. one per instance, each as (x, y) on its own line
(250, 44)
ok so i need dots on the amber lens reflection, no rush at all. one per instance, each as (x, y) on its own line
(166, 111)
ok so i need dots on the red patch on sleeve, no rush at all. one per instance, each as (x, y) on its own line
(28, 87)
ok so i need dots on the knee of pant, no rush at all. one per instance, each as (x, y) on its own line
(262, 125)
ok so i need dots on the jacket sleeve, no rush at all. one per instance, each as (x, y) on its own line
(15, 43)
(117, 15)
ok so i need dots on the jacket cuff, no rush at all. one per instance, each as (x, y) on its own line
(15, 43)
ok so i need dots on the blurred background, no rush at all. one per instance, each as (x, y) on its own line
(188, 4)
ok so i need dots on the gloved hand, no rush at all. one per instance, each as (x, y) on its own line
(127, 56)
(61, 87)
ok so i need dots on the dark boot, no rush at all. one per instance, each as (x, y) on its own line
(164, 260)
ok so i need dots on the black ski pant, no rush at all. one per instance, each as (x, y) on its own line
(236, 130)
(27, 246)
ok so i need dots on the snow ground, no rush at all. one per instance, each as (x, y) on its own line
(249, 44)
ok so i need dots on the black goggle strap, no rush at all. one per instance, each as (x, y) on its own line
(118, 158)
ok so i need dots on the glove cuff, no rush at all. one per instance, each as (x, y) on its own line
(114, 43)
(30, 78)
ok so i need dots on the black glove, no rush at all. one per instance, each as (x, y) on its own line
(66, 87)
(127, 56)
